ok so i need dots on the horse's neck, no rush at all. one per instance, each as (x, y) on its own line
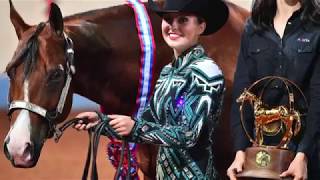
(257, 103)
(97, 63)
(106, 57)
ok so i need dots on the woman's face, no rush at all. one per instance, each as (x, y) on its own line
(181, 31)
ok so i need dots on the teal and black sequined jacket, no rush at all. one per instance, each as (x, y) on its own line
(181, 117)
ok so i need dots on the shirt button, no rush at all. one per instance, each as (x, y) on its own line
(280, 52)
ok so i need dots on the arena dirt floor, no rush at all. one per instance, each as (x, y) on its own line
(58, 161)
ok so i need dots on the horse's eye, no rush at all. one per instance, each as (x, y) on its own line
(55, 76)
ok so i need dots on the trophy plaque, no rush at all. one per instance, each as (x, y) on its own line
(263, 160)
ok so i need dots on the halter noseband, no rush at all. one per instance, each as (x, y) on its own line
(51, 116)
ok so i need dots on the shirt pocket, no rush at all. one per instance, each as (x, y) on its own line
(303, 52)
(302, 57)
(261, 59)
(259, 52)
(302, 49)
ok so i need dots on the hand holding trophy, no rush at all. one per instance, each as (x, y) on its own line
(265, 160)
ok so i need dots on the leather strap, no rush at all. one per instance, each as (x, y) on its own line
(94, 138)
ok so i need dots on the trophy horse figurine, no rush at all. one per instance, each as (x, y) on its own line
(269, 161)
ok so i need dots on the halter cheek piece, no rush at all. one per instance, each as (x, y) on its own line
(52, 115)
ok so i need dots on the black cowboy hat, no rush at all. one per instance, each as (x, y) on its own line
(214, 12)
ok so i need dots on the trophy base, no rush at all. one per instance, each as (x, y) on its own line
(266, 163)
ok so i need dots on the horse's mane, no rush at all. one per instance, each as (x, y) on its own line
(88, 25)
(87, 21)
(96, 14)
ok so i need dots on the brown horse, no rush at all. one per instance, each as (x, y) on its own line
(106, 61)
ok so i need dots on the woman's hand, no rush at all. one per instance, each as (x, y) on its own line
(90, 120)
(121, 124)
(298, 168)
(237, 165)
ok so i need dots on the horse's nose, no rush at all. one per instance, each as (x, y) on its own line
(20, 157)
(5, 149)
(25, 158)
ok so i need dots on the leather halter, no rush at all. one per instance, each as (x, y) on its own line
(51, 116)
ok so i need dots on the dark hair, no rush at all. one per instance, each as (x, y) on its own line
(263, 12)
(198, 16)
(311, 11)
(200, 19)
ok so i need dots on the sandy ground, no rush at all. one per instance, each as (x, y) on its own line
(58, 161)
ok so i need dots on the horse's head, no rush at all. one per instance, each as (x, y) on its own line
(39, 96)
(247, 96)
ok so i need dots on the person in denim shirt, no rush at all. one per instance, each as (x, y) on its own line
(182, 113)
(282, 38)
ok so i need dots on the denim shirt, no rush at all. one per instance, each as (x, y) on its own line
(296, 57)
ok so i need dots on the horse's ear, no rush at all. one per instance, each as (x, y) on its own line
(56, 19)
(19, 25)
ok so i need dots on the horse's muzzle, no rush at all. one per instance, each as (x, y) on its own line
(21, 160)
(5, 148)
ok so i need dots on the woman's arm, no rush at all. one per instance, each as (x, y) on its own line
(241, 81)
(203, 92)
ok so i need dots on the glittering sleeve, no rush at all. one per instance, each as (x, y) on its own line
(198, 106)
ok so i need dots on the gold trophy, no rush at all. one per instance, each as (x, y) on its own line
(263, 160)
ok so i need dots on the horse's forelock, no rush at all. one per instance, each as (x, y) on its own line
(31, 56)
(27, 52)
